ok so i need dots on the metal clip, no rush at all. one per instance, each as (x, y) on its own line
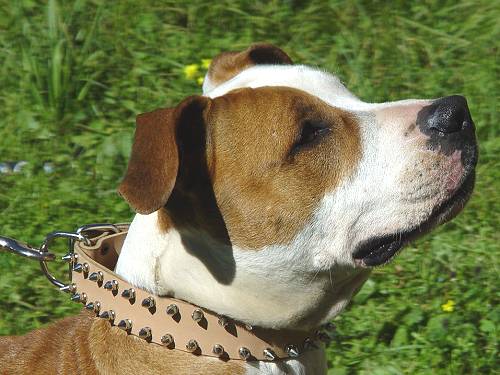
(19, 248)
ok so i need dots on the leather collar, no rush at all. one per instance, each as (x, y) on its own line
(170, 322)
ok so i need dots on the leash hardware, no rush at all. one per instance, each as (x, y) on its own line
(22, 249)
(44, 248)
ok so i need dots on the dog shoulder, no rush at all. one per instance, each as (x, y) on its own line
(56, 349)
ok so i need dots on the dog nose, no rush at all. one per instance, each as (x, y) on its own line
(446, 115)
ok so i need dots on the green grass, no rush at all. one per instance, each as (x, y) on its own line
(75, 74)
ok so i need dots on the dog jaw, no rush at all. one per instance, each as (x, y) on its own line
(305, 276)
(272, 287)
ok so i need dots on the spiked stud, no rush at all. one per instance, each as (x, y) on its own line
(223, 321)
(218, 350)
(248, 327)
(71, 288)
(244, 353)
(197, 315)
(70, 258)
(79, 297)
(269, 354)
(83, 298)
(292, 351)
(192, 346)
(108, 315)
(96, 276)
(93, 306)
(125, 324)
(167, 339)
(145, 333)
(172, 309)
(148, 303)
(111, 285)
(78, 268)
(129, 294)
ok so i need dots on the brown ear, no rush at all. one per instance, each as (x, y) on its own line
(228, 64)
(154, 161)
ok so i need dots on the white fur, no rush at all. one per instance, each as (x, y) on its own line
(310, 280)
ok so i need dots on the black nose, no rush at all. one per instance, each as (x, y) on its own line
(446, 115)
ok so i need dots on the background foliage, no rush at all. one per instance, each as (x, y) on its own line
(74, 74)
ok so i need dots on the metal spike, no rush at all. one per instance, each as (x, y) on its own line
(244, 353)
(148, 302)
(310, 344)
(218, 350)
(70, 288)
(167, 339)
(111, 285)
(125, 324)
(292, 351)
(70, 258)
(129, 294)
(83, 297)
(145, 333)
(269, 354)
(96, 276)
(197, 315)
(192, 346)
(172, 309)
(108, 315)
(78, 267)
(93, 306)
(223, 321)
(90, 306)
(248, 327)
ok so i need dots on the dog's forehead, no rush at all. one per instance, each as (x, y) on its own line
(318, 83)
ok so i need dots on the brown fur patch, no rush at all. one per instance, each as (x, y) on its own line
(228, 64)
(154, 161)
(85, 345)
(252, 187)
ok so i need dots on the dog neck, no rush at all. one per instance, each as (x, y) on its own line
(249, 286)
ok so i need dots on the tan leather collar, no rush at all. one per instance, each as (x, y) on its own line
(175, 324)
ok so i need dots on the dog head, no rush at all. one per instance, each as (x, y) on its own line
(282, 182)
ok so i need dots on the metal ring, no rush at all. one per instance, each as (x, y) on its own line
(72, 237)
(98, 227)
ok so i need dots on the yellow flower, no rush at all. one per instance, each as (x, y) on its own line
(191, 71)
(200, 80)
(449, 306)
(205, 63)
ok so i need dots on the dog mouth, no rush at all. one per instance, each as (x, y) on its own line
(380, 250)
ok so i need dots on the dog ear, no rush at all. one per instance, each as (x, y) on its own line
(154, 161)
(228, 64)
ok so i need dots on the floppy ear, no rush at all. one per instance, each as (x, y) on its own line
(154, 161)
(228, 64)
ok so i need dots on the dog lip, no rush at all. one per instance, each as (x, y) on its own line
(380, 250)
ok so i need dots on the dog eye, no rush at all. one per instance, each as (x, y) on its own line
(311, 133)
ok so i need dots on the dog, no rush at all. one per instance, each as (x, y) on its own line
(267, 199)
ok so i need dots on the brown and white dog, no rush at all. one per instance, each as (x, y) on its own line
(267, 199)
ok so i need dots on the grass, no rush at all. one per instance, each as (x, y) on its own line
(75, 74)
